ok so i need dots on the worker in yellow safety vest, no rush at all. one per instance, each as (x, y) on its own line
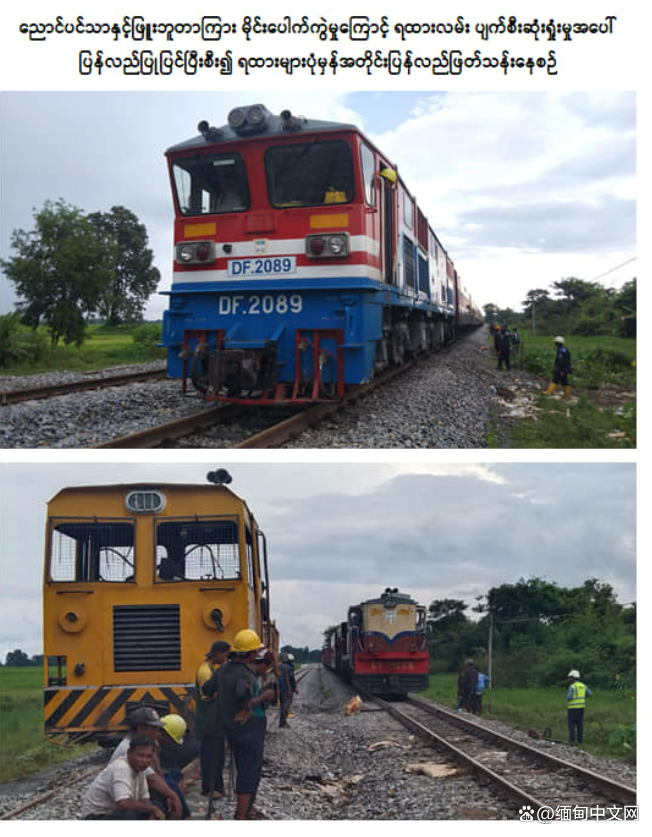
(576, 701)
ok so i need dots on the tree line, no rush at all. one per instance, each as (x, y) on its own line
(18, 657)
(74, 266)
(539, 631)
(302, 655)
(573, 306)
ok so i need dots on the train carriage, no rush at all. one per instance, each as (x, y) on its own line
(382, 647)
(139, 581)
(303, 265)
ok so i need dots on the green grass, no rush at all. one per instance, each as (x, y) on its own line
(603, 382)
(580, 425)
(609, 719)
(596, 360)
(23, 749)
(103, 347)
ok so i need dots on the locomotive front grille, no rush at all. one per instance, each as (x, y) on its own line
(146, 638)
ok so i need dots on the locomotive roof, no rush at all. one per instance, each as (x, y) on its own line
(147, 485)
(398, 597)
(274, 126)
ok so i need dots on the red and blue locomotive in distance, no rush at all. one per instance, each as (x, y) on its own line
(302, 264)
(382, 647)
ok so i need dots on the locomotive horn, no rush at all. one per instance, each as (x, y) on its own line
(219, 477)
(290, 122)
(210, 134)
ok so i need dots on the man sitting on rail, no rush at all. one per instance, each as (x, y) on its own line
(144, 720)
(120, 792)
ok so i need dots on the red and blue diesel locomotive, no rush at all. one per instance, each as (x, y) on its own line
(302, 266)
(382, 646)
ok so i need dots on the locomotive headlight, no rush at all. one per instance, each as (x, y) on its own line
(256, 115)
(337, 244)
(185, 253)
(249, 119)
(236, 118)
(334, 245)
(195, 252)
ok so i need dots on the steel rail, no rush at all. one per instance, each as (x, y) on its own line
(280, 433)
(270, 437)
(154, 436)
(13, 396)
(43, 797)
(505, 785)
(624, 793)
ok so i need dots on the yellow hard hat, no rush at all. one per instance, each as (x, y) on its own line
(245, 641)
(175, 727)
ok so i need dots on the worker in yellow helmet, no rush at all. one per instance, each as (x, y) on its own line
(576, 701)
(178, 748)
(207, 726)
(235, 686)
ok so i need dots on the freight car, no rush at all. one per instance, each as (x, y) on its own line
(303, 265)
(139, 581)
(381, 648)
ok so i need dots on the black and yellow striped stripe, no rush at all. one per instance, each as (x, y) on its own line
(103, 709)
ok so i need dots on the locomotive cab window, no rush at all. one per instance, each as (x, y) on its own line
(408, 209)
(194, 550)
(92, 551)
(210, 184)
(251, 577)
(310, 174)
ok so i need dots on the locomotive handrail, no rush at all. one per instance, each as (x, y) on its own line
(65, 592)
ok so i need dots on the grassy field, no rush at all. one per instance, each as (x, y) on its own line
(609, 719)
(23, 749)
(102, 348)
(603, 386)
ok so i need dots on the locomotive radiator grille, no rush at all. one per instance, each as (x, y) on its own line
(146, 638)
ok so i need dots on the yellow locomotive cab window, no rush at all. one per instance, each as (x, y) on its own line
(196, 550)
(92, 550)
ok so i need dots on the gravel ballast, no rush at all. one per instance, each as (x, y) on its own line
(329, 766)
(445, 402)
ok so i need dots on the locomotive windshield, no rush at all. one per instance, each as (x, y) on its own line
(309, 174)
(92, 551)
(208, 184)
(194, 550)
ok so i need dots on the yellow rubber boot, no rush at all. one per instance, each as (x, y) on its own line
(566, 393)
(552, 388)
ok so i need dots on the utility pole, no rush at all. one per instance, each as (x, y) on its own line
(490, 648)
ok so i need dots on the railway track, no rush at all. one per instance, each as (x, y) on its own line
(83, 778)
(535, 779)
(277, 433)
(14, 396)
(328, 766)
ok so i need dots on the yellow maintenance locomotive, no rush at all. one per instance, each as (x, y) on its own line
(139, 581)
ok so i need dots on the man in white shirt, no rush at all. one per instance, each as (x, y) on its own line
(144, 720)
(120, 792)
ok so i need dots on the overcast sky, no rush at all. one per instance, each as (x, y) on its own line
(523, 189)
(340, 533)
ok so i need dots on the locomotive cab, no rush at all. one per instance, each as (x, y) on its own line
(139, 581)
(389, 646)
